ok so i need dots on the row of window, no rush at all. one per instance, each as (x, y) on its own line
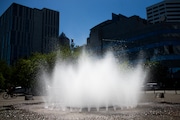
(5, 54)
(148, 41)
(20, 38)
(163, 9)
(157, 14)
(50, 31)
(20, 24)
(18, 51)
(173, 19)
(151, 52)
(162, 6)
(22, 11)
(51, 17)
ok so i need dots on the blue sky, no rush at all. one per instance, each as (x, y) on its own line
(77, 17)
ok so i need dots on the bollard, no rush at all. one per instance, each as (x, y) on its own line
(160, 95)
(29, 97)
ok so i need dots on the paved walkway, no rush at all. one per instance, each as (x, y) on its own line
(19, 100)
(148, 96)
(170, 96)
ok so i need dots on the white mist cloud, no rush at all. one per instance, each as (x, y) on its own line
(95, 82)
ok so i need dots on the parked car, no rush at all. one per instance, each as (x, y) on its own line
(19, 90)
(152, 86)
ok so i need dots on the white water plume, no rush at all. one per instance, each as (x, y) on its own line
(94, 82)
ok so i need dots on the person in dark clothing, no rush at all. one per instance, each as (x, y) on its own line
(10, 91)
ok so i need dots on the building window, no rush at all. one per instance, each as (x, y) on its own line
(20, 11)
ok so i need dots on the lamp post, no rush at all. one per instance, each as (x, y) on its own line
(72, 45)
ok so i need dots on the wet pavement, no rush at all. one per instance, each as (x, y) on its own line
(149, 108)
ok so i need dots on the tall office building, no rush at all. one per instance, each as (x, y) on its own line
(25, 30)
(165, 11)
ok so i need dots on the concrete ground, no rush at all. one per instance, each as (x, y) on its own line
(170, 96)
(20, 109)
(19, 100)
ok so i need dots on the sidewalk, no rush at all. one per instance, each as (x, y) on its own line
(170, 96)
(148, 96)
(19, 100)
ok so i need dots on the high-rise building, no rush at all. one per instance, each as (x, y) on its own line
(165, 11)
(25, 30)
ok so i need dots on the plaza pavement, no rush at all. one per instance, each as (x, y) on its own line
(170, 96)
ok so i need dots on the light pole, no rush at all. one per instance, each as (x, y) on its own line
(72, 45)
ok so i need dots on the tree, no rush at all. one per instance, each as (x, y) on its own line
(2, 81)
(23, 72)
(26, 71)
(5, 74)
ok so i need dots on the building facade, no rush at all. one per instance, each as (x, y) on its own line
(165, 11)
(136, 39)
(113, 31)
(25, 30)
(64, 40)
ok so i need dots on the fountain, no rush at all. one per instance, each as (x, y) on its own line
(93, 82)
(95, 89)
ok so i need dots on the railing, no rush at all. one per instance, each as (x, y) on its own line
(163, 91)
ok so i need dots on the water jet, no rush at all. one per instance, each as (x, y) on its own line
(94, 82)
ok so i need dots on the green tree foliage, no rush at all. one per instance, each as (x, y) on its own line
(2, 81)
(64, 52)
(76, 52)
(25, 72)
(5, 74)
